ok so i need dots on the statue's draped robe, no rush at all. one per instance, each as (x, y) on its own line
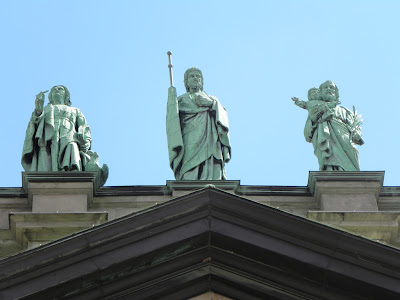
(51, 139)
(332, 140)
(198, 138)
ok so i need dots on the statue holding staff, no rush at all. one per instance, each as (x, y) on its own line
(197, 131)
(333, 130)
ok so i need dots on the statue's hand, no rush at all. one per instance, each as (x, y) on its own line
(80, 137)
(85, 146)
(299, 102)
(316, 112)
(82, 140)
(202, 100)
(320, 110)
(39, 102)
(356, 138)
(325, 117)
(226, 155)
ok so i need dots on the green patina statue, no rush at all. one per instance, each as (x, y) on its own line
(333, 130)
(197, 131)
(58, 137)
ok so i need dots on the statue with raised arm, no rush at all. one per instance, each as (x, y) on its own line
(58, 137)
(197, 131)
(333, 130)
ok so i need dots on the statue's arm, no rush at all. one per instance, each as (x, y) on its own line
(299, 102)
(172, 94)
(174, 136)
(226, 154)
(222, 123)
(206, 101)
(34, 134)
(83, 134)
(357, 138)
(309, 129)
(354, 123)
(316, 112)
(39, 102)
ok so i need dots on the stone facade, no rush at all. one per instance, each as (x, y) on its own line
(209, 244)
(50, 206)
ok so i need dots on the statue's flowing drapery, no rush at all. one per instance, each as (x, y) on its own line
(198, 138)
(51, 139)
(332, 140)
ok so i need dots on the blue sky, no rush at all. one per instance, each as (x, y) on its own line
(255, 55)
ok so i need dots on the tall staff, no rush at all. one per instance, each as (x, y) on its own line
(171, 77)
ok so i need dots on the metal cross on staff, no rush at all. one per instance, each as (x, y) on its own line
(171, 77)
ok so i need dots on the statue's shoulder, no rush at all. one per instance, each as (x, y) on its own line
(183, 96)
(48, 108)
(76, 110)
(213, 97)
(348, 111)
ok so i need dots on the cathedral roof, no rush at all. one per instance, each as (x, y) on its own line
(208, 240)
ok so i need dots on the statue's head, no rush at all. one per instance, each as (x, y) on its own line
(329, 91)
(314, 94)
(193, 79)
(59, 94)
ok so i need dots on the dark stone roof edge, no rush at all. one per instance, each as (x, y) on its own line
(12, 192)
(272, 213)
(347, 248)
(162, 190)
(251, 190)
(133, 190)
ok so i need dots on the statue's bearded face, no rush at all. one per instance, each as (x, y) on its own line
(194, 80)
(58, 94)
(328, 91)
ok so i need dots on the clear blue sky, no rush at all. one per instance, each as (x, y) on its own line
(255, 55)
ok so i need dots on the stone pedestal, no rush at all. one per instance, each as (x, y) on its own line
(346, 191)
(60, 202)
(183, 187)
(60, 191)
(349, 201)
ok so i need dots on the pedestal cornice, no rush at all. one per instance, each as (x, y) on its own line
(332, 176)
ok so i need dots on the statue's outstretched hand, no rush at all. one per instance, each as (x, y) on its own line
(299, 102)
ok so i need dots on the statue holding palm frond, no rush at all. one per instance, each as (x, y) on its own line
(333, 130)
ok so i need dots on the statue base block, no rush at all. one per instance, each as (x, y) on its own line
(60, 191)
(346, 191)
(60, 202)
